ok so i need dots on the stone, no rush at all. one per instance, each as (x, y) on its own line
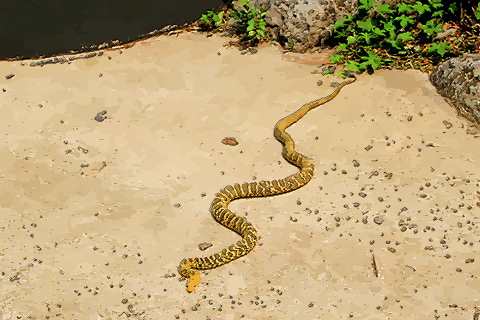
(101, 116)
(458, 80)
(204, 245)
(230, 141)
(378, 220)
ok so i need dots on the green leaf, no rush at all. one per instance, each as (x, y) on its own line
(405, 36)
(404, 20)
(435, 4)
(218, 18)
(404, 8)
(366, 36)
(438, 14)
(204, 19)
(431, 28)
(342, 22)
(260, 33)
(394, 43)
(342, 74)
(378, 32)
(439, 48)
(366, 25)
(251, 25)
(366, 4)
(421, 8)
(392, 36)
(351, 40)
(383, 9)
(389, 26)
(336, 58)
(452, 8)
(340, 34)
(353, 66)
(372, 60)
(477, 12)
(211, 19)
(341, 47)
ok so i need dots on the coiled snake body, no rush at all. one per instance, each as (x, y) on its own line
(188, 268)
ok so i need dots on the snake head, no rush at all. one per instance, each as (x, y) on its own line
(186, 269)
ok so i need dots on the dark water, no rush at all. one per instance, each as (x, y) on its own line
(32, 28)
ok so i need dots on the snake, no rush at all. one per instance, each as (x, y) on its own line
(189, 268)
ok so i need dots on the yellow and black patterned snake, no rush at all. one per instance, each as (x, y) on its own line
(188, 268)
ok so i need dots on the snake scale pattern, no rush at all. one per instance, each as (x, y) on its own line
(189, 268)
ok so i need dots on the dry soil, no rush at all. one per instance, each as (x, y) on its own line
(96, 211)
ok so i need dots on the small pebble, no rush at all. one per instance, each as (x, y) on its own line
(204, 245)
(447, 124)
(101, 116)
(230, 141)
(378, 220)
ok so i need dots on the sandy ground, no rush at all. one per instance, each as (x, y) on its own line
(95, 216)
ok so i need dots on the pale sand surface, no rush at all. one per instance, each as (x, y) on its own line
(101, 242)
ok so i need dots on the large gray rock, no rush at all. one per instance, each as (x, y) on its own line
(458, 80)
(304, 24)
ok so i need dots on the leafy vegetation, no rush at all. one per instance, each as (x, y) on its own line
(248, 21)
(211, 20)
(378, 33)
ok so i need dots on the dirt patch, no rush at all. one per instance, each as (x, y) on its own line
(96, 215)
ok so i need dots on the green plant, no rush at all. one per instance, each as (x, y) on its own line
(211, 20)
(376, 32)
(370, 62)
(250, 21)
(439, 48)
(336, 58)
(431, 28)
